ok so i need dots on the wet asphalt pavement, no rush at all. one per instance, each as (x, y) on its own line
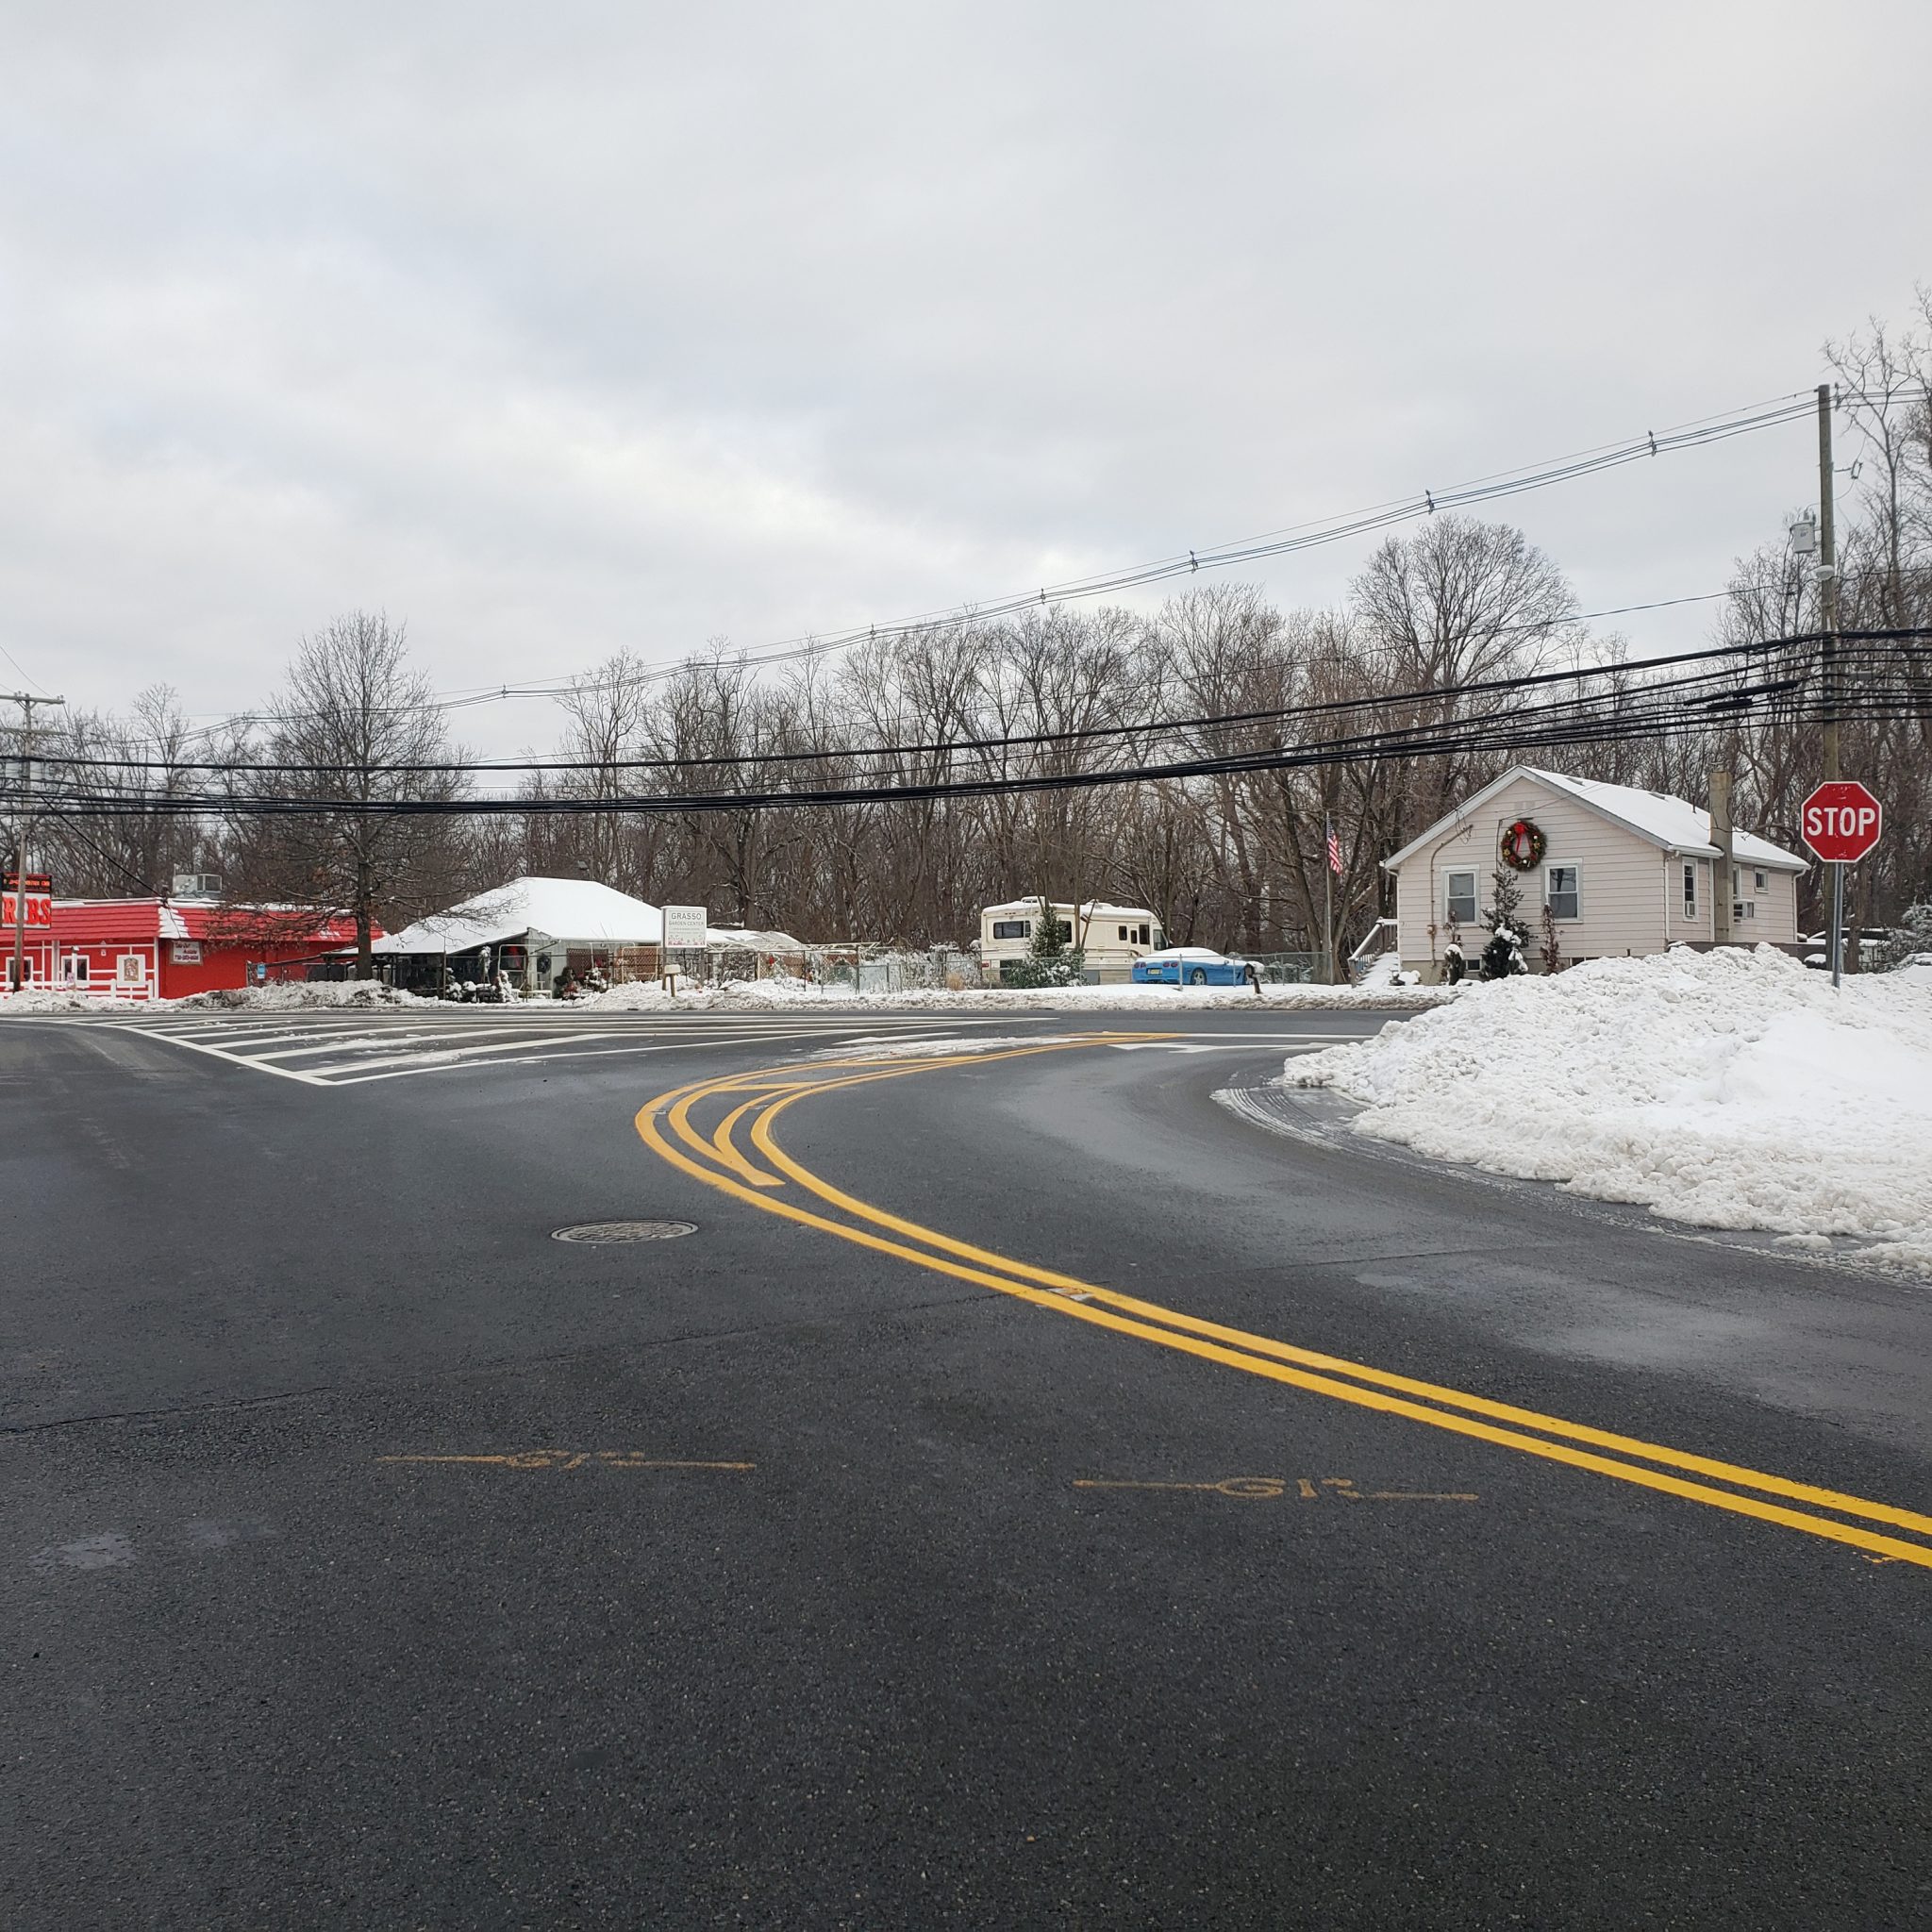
(369, 1557)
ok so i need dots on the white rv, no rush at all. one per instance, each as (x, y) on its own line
(1111, 937)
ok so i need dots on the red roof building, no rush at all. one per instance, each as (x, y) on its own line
(147, 949)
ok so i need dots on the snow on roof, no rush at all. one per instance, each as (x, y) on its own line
(1674, 823)
(1090, 909)
(557, 909)
(751, 940)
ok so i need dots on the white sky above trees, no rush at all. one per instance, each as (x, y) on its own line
(557, 330)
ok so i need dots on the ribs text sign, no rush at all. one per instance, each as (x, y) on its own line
(1841, 822)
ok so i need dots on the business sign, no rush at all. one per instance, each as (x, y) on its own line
(40, 901)
(1841, 822)
(185, 952)
(685, 926)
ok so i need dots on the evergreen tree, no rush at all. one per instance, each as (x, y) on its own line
(1503, 952)
(1050, 961)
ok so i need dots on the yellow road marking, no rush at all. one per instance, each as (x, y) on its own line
(1263, 1489)
(569, 1458)
(1231, 1347)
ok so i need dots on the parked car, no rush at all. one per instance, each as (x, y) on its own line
(1193, 966)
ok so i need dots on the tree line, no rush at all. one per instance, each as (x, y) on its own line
(1234, 859)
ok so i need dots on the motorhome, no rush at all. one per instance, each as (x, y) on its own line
(1110, 937)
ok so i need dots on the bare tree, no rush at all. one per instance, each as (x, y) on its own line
(356, 727)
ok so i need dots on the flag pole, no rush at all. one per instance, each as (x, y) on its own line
(1328, 904)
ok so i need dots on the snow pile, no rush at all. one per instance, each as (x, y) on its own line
(298, 995)
(46, 1000)
(1729, 1089)
(754, 995)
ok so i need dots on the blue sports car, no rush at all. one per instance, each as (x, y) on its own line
(1191, 966)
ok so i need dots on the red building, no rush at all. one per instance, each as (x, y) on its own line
(145, 949)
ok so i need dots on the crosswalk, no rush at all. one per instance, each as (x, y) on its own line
(354, 1050)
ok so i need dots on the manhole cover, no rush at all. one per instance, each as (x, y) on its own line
(604, 1234)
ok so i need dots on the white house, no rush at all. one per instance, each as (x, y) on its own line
(531, 930)
(1112, 937)
(1623, 872)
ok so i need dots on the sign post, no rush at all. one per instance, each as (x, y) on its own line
(685, 929)
(1840, 822)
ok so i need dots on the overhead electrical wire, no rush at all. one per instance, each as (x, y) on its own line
(1647, 707)
(1697, 433)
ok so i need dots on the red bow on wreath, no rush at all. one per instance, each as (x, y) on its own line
(1522, 845)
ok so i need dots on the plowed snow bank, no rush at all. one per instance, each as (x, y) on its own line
(1729, 1089)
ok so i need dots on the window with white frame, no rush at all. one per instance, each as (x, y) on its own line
(74, 970)
(1563, 890)
(1757, 881)
(1689, 890)
(1459, 902)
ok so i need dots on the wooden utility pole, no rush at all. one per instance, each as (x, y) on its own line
(1722, 838)
(17, 977)
(1827, 583)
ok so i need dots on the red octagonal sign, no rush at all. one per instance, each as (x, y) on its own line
(1842, 820)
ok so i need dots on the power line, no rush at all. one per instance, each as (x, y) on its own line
(1697, 433)
(1650, 709)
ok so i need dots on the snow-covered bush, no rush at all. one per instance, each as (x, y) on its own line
(1503, 953)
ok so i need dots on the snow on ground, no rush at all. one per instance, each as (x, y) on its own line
(301, 996)
(794, 995)
(1729, 1089)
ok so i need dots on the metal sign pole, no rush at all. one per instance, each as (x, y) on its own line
(1838, 918)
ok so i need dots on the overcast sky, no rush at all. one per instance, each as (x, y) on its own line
(552, 330)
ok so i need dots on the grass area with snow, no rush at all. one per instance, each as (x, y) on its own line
(756, 996)
(1732, 1089)
(791, 995)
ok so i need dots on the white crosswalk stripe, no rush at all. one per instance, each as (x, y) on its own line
(339, 1050)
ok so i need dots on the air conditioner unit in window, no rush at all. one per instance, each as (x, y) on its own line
(197, 885)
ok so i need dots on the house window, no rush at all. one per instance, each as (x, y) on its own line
(1757, 881)
(74, 970)
(1563, 892)
(1689, 891)
(1012, 928)
(1459, 906)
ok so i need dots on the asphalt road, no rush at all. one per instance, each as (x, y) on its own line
(931, 1537)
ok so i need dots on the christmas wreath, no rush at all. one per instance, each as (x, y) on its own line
(1522, 845)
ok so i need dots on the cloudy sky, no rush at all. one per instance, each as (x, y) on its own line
(552, 330)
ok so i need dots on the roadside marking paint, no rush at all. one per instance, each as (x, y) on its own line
(569, 1458)
(1263, 1489)
(1626, 1459)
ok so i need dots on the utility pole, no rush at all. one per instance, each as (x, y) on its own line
(1724, 839)
(1827, 583)
(1828, 621)
(17, 977)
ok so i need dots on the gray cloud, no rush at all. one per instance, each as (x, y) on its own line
(555, 330)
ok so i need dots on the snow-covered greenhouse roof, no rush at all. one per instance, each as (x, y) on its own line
(557, 909)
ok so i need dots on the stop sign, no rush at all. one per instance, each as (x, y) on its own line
(1842, 820)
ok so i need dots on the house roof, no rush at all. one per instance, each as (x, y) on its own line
(557, 909)
(1090, 909)
(105, 922)
(1672, 824)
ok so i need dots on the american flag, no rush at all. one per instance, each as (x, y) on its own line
(1334, 851)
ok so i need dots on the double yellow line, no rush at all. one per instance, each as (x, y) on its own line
(767, 1178)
